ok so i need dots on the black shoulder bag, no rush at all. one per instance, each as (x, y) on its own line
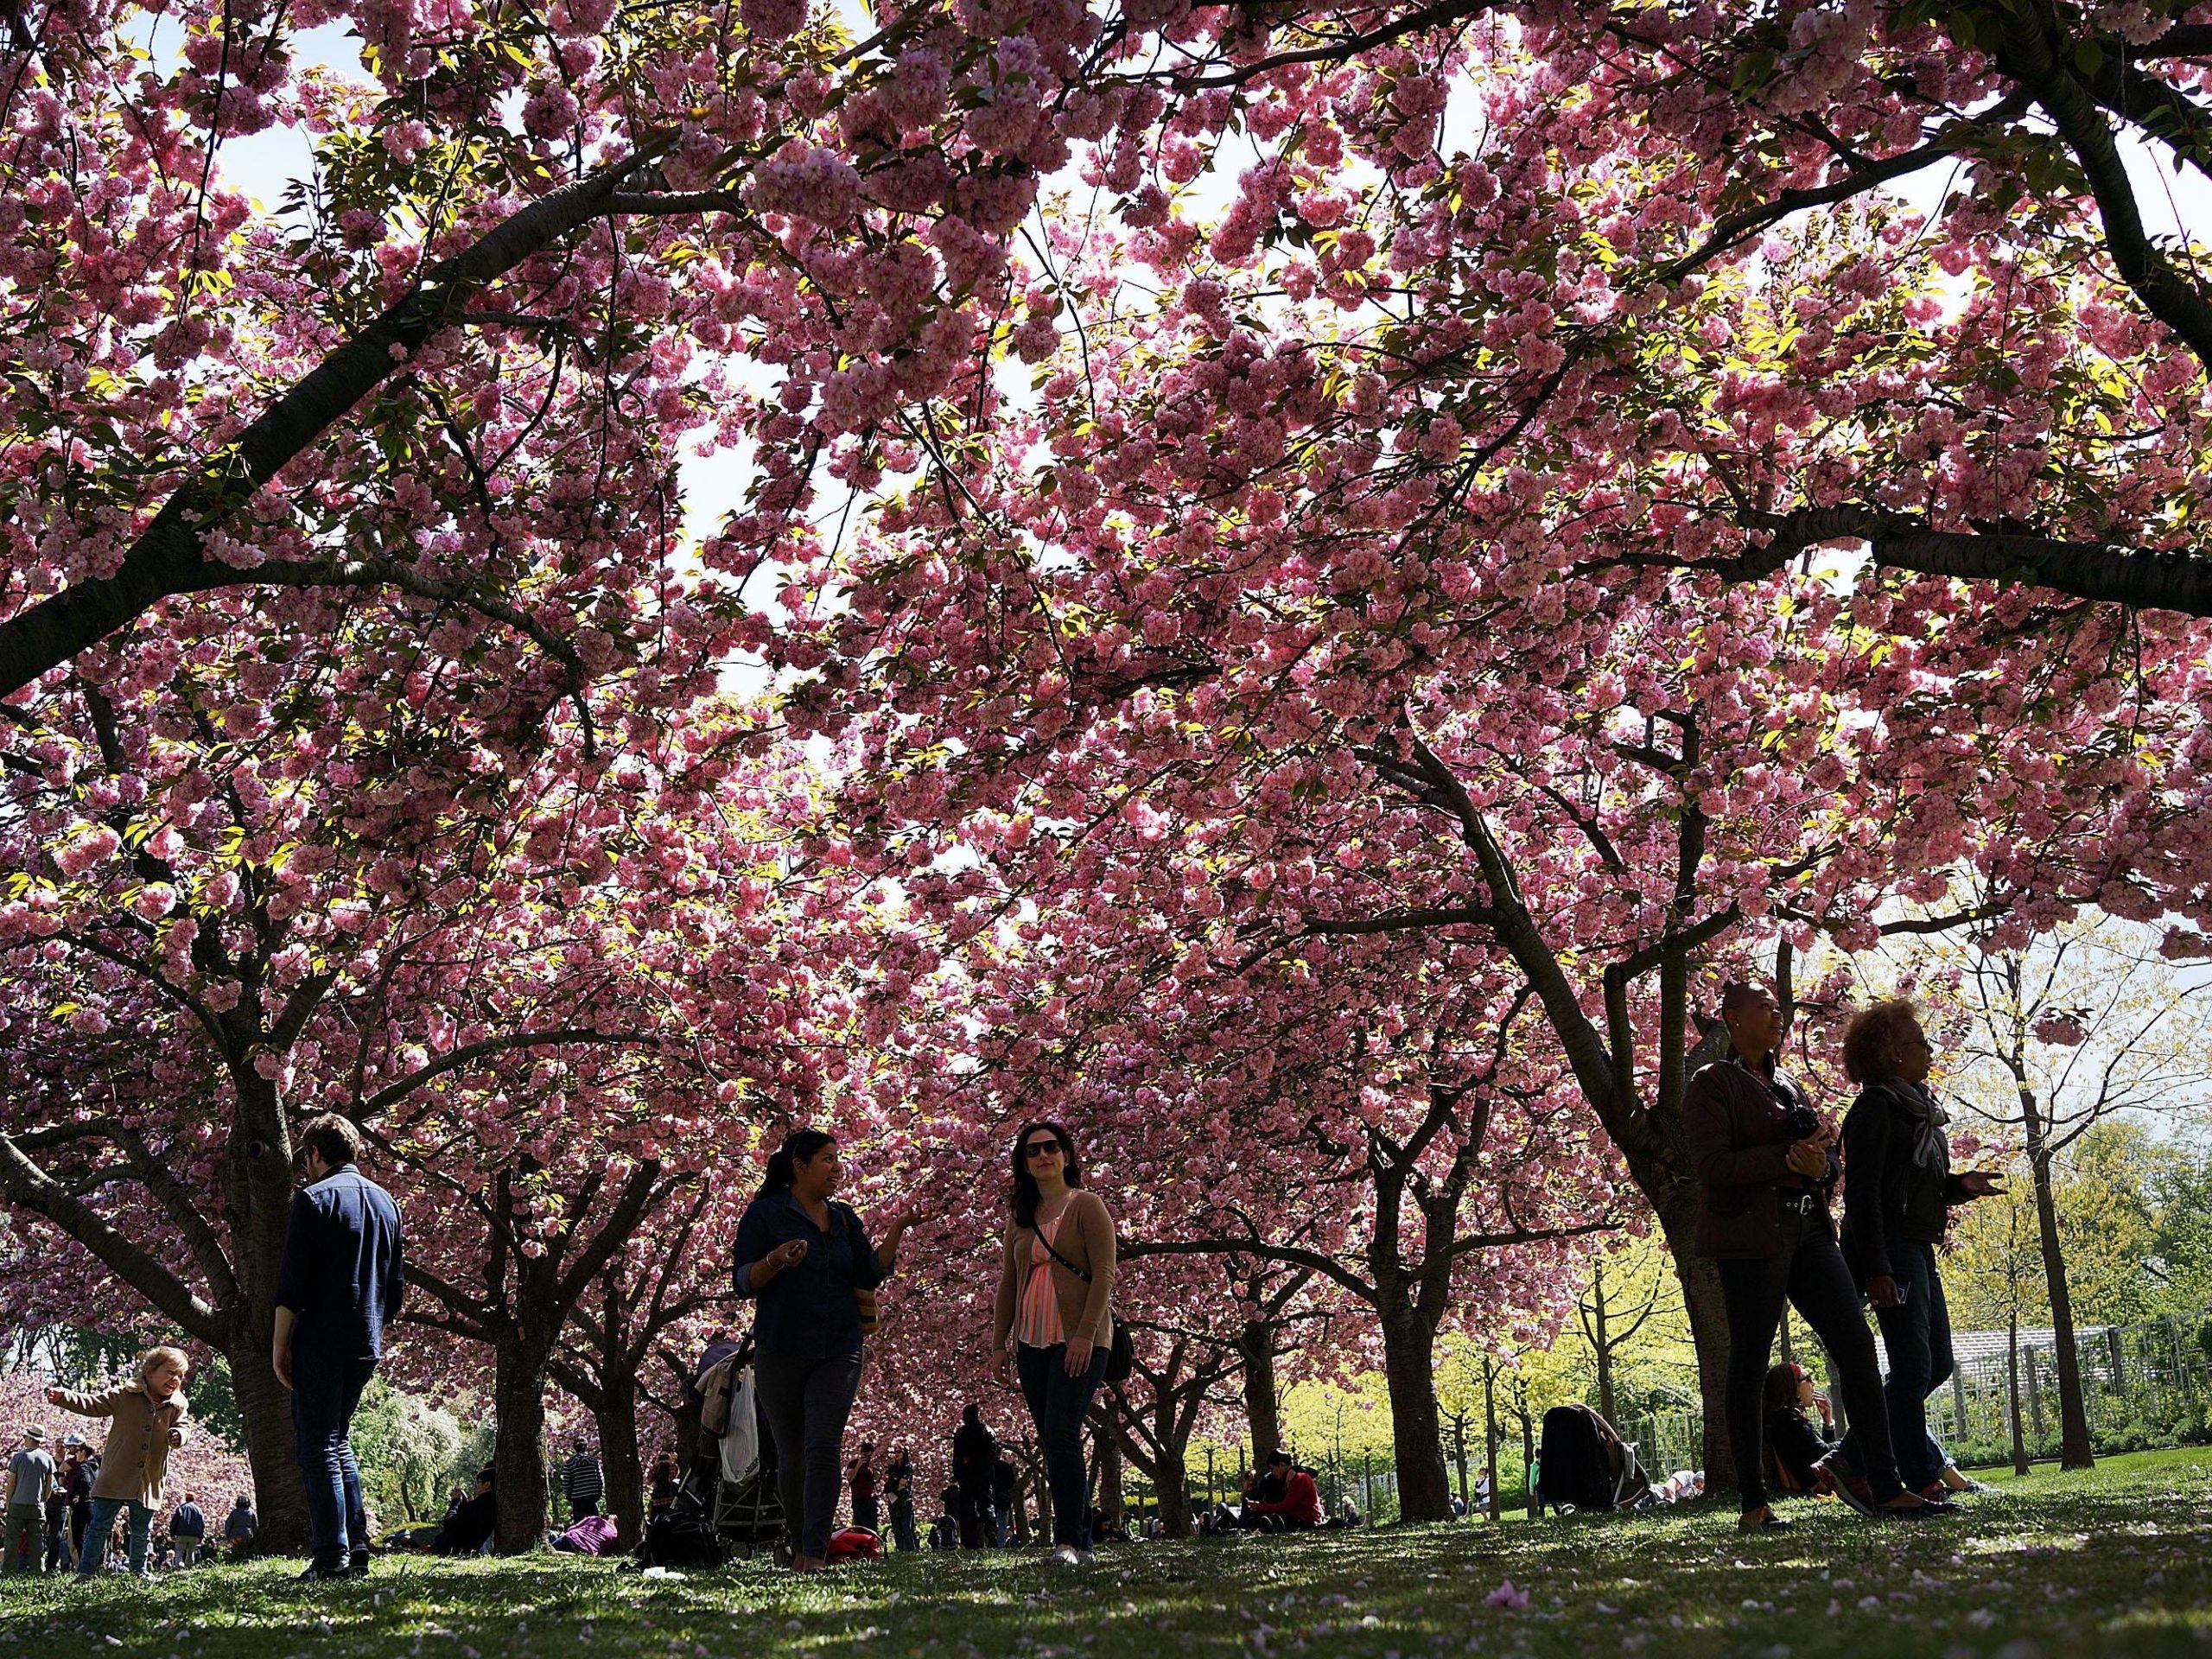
(1121, 1352)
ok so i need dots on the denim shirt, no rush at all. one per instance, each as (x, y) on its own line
(807, 1311)
(343, 1273)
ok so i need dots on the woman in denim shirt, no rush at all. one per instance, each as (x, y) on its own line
(804, 1255)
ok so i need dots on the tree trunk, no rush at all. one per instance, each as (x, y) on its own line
(1262, 1408)
(1171, 1486)
(2013, 1391)
(621, 1459)
(1708, 1317)
(1528, 1463)
(1459, 1457)
(1111, 1502)
(518, 1455)
(1490, 1434)
(258, 1187)
(1409, 1369)
(1603, 1343)
(271, 1449)
(2075, 1450)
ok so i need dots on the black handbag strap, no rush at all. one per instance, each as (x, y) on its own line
(1057, 1256)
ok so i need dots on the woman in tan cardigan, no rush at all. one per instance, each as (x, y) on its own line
(1054, 1306)
(149, 1413)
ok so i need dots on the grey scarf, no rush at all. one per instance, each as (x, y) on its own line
(1931, 1146)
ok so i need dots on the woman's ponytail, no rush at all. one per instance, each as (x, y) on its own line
(798, 1147)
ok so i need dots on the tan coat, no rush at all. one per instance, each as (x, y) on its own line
(136, 1455)
(1086, 1239)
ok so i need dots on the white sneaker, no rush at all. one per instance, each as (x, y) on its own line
(1065, 1556)
(1084, 1558)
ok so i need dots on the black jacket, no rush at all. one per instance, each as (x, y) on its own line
(975, 1456)
(1794, 1443)
(467, 1528)
(1897, 1179)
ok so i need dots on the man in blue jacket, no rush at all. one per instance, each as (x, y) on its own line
(339, 1284)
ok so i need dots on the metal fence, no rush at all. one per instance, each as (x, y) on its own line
(2142, 1384)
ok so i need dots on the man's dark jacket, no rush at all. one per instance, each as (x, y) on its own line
(1735, 1121)
(343, 1273)
(975, 1453)
(1898, 1183)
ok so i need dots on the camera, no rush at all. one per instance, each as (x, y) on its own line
(1802, 1122)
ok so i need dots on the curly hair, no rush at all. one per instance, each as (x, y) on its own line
(1871, 1041)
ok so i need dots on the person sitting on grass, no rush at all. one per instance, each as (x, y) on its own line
(1299, 1509)
(1797, 1447)
(149, 1413)
(468, 1528)
(1805, 1456)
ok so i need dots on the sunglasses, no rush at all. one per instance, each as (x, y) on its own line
(1045, 1149)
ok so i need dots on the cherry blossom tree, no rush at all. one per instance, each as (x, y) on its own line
(209, 937)
(631, 1342)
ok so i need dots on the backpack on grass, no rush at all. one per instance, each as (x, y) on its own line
(1585, 1467)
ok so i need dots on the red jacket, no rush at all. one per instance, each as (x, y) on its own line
(1300, 1504)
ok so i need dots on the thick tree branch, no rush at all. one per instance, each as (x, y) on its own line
(169, 556)
(2143, 578)
(2038, 53)
(25, 1184)
(469, 1054)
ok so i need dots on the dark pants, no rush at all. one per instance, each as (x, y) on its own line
(867, 1513)
(1057, 1405)
(1810, 1274)
(807, 1402)
(1916, 1336)
(972, 1510)
(902, 1525)
(325, 1391)
(26, 1539)
(583, 1512)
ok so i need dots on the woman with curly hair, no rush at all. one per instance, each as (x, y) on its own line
(1898, 1190)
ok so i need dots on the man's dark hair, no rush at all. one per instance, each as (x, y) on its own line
(331, 1138)
(1737, 992)
(972, 1414)
(488, 1474)
(1277, 1456)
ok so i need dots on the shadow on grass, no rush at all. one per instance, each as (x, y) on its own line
(2109, 1562)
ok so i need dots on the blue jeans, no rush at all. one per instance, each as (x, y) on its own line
(807, 1402)
(325, 1391)
(1917, 1337)
(105, 1510)
(1057, 1405)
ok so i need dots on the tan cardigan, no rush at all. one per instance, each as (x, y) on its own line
(1085, 1309)
(136, 1455)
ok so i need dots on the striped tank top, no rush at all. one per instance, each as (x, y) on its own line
(1039, 1323)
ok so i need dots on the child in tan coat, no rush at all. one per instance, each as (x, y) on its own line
(149, 1413)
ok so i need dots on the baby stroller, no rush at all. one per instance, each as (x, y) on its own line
(727, 1507)
(1585, 1468)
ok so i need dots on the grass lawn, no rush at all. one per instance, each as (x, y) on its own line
(2114, 1561)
